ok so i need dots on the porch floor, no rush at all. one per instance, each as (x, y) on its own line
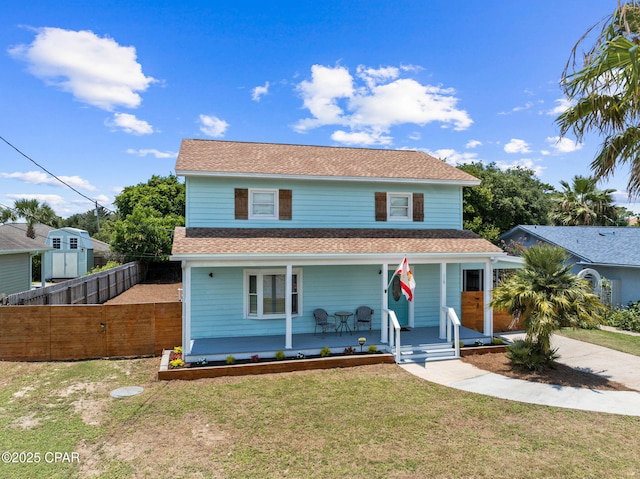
(266, 346)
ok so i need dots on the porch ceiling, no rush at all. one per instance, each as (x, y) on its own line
(326, 241)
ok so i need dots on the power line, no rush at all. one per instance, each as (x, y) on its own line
(54, 176)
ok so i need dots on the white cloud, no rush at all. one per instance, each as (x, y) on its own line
(563, 145)
(40, 178)
(528, 105)
(453, 157)
(562, 105)
(130, 124)
(213, 126)
(95, 70)
(360, 138)
(258, 92)
(522, 163)
(473, 144)
(153, 152)
(517, 146)
(371, 106)
(415, 135)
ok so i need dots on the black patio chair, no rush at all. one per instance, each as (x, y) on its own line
(322, 320)
(363, 317)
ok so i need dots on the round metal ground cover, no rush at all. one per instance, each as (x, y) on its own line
(126, 391)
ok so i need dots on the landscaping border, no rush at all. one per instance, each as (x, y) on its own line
(187, 374)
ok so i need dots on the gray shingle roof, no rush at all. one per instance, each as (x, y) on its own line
(243, 158)
(594, 244)
(13, 239)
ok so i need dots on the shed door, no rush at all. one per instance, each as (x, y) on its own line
(64, 265)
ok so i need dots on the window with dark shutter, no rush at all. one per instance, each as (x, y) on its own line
(381, 206)
(242, 204)
(285, 207)
(418, 207)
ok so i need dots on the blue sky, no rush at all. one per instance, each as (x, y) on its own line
(102, 93)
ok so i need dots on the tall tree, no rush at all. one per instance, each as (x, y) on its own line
(547, 296)
(34, 212)
(504, 199)
(582, 203)
(605, 93)
(149, 213)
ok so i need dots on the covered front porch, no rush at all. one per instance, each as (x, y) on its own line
(217, 349)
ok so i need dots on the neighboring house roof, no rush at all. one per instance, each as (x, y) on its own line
(326, 241)
(618, 246)
(100, 246)
(231, 158)
(13, 239)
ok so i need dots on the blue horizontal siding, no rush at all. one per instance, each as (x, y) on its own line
(217, 302)
(319, 204)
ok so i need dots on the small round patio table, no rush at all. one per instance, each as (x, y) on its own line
(344, 321)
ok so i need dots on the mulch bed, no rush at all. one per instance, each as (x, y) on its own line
(561, 375)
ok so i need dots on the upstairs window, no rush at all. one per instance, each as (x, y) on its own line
(262, 204)
(73, 243)
(56, 243)
(399, 206)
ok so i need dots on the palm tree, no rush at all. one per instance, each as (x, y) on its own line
(34, 212)
(581, 203)
(605, 93)
(547, 296)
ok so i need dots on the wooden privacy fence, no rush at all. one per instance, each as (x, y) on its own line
(49, 333)
(91, 289)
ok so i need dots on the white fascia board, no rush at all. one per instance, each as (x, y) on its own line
(186, 173)
(200, 260)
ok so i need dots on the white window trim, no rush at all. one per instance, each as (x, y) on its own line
(77, 243)
(276, 206)
(409, 216)
(59, 238)
(259, 284)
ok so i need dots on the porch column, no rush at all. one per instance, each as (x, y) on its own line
(287, 308)
(488, 293)
(186, 308)
(384, 317)
(443, 300)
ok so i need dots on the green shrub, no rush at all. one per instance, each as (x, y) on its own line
(280, 355)
(497, 341)
(372, 349)
(625, 318)
(230, 360)
(109, 265)
(529, 355)
(324, 352)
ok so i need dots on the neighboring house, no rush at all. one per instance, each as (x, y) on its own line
(275, 231)
(70, 256)
(16, 253)
(596, 253)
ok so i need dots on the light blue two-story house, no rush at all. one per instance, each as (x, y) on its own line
(274, 232)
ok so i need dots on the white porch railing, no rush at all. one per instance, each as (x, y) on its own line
(452, 320)
(393, 327)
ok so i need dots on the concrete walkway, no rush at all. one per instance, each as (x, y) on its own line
(615, 366)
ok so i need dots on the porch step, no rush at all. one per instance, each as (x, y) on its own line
(427, 352)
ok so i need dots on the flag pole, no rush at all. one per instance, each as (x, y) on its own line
(395, 273)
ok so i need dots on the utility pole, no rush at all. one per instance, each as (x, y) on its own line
(97, 217)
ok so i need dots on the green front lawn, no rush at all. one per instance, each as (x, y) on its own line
(364, 422)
